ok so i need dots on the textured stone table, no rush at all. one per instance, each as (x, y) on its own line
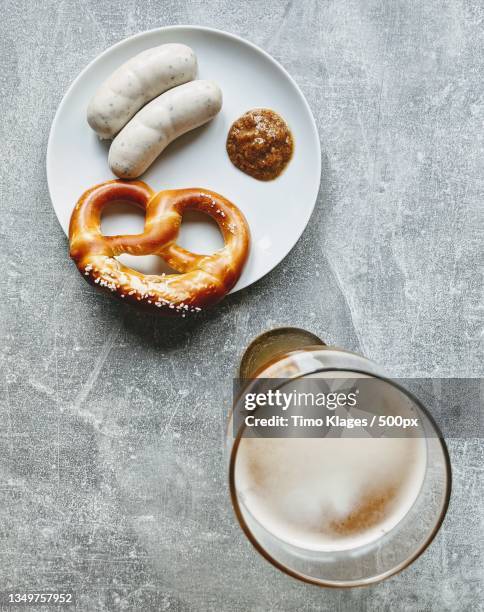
(112, 476)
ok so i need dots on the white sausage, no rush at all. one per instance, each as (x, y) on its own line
(136, 82)
(170, 115)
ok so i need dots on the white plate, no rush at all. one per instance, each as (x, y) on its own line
(277, 211)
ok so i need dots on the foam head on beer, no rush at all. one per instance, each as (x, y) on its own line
(329, 494)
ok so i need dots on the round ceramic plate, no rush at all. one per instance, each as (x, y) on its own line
(277, 211)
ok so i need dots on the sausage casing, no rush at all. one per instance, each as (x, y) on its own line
(170, 115)
(136, 82)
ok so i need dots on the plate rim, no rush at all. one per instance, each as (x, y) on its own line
(223, 33)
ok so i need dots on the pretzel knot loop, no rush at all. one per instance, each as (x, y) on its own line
(202, 280)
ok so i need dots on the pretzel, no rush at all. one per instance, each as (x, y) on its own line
(202, 281)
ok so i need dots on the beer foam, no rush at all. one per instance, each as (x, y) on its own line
(329, 494)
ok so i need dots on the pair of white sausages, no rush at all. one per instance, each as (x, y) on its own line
(178, 104)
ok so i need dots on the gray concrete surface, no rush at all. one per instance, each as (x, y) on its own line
(112, 475)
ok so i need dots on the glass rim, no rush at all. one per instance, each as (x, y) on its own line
(343, 583)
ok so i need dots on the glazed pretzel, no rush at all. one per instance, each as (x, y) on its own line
(202, 281)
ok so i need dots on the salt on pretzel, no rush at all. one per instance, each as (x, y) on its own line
(202, 281)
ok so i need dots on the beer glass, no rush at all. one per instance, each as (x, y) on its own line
(287, 355)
